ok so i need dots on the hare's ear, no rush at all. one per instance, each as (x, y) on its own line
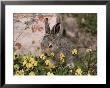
(57, 28)
(52, 30)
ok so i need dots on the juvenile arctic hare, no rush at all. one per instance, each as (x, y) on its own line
(58, 44)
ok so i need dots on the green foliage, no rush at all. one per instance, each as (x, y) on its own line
(88, 63)
(86, 21)
(29, 64)
(61, 70)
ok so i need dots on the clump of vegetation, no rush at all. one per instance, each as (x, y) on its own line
(88, 63)
(29, 64)
(86, 21)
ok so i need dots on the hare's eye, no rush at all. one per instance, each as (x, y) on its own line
(50, 45)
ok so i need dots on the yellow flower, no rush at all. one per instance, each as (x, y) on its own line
(78, 71)
(35, 63)
(62, 59)
(32, 73)
(25, 57)
(31, 59)
(52, 54)
(16, 66)
(50, 74)
(32, 62)
(17, 73)
(74, 51)
(29, 65)
(24, 63)
(42, 56)
(21, 72)
(49, 64)
(62, 55)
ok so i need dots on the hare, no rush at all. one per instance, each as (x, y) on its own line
(59, 44)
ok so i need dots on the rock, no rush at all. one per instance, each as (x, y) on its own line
(29, 30)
